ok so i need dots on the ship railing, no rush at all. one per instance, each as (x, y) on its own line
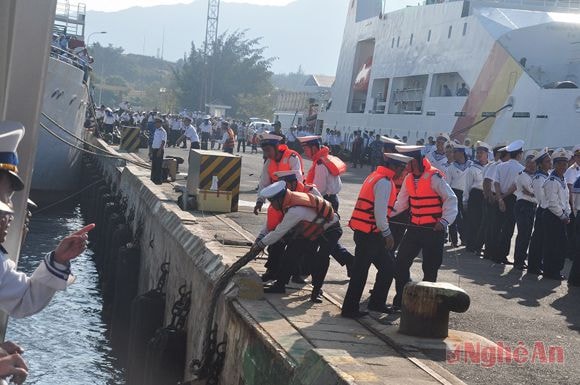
(70, 58)
(70, 18)
(554, 5)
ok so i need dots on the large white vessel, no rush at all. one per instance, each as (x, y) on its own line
(492, 70)
(66, 96)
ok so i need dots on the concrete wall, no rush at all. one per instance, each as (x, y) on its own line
(197, 260)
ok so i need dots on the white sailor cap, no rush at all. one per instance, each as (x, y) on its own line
(267, 139)
(516, 145)
(288, 176)
(4, 208)
(443, 135)
(398, 158)
(560, 154)
(311, 139)
(411, 150)
(482, 145)
(393, 141)
(531, 155)
(274, 191)
(11, 134)
(466, 141)
(458, 146)
(206, 117)
(576, 149)
(541, 154)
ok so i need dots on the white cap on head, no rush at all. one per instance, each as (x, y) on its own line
(516, 145)
(11, 133)
(576, 149)
(398, 157)
(541, 153)
(394, 141)
(531, 155)
(4, 208)
(443, 135)
(482, 145)
(272, 190)
(310, 138)
(206, 117)
(560, 154)
(270, 138)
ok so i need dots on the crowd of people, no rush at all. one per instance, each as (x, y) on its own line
(415, 200)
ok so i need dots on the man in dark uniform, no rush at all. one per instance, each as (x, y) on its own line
(157, 151)
(433, 206)
(374, 241)
(574, 279)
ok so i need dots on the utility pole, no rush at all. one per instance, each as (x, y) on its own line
(211, 36)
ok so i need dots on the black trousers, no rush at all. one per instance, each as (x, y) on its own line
(326, 243)
(457, 225)
(205, 136)
(474, 220)
(571, 231)
(339, 253)
(537, 242)
(491, 230)
(574, 278)
(398, 225)
(275, 254)
(416, 240)
(156, 167)
(289, 261)
(195, 146)
(370, 248)
(555, 244)
(524, 213)
(242, 142)
(507, 225)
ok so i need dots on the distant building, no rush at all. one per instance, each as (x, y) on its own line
(300, 107)
(217, 110)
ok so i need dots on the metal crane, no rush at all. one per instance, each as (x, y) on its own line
(211, 37)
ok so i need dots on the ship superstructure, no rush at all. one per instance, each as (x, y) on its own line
(488, 70)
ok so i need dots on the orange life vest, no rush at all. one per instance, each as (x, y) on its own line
(323, 209)
(284, 163)
(334, 165)
(230, 141)
(426, 205)
(275, 217)
(363, 217)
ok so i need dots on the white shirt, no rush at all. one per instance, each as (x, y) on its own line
(489, 172)
(538, 185)
(292, 217)
(109, 119)
(437, 160)
(572, 173)
(159, 137)
(191, 134)
(265, 181)
(382, 192)
(576, 196)
(325, 182)
(506, 173)
(456, 174)
(557, 196)
(473, 179)
(205, 127)
(524, 183)
(22, 296)
(176, 125)
(440, 186)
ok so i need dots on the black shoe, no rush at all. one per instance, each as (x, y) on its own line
(556, 277)
(520, 266)
(275, 289)
(267, 276)
(503, 261)
(316, 296)
(354, 314)
(298, 279)
(535, 271)
(380, 308)
(395, 309)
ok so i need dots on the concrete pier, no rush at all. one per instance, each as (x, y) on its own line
(270, 339)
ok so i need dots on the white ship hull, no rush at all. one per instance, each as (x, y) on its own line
(57, 165)
(504, 56)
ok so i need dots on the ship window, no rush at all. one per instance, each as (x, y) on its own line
(429, 36)
(407, 94)
(521, 115)
(411, 40)
(460, 113)
(430, 113)
(449, 33)
(448, 84)
(464, 29)
(398, 39)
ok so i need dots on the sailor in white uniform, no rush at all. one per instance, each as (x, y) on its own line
(556, 217)
(525, 208)
(544, 164)
(20, 295)
(456, 173)
(473, 199)
(438, 157)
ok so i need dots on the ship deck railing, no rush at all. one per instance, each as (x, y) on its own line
(70, 58)
(545, 5)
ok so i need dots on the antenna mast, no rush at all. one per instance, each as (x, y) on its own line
(211, 36)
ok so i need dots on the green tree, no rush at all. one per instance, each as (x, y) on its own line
(239, 72)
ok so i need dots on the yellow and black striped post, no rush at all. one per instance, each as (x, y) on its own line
(130, 139)
(204, 165)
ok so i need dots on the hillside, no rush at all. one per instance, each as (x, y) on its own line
(305, 32)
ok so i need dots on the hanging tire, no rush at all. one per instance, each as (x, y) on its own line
(166, 361)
